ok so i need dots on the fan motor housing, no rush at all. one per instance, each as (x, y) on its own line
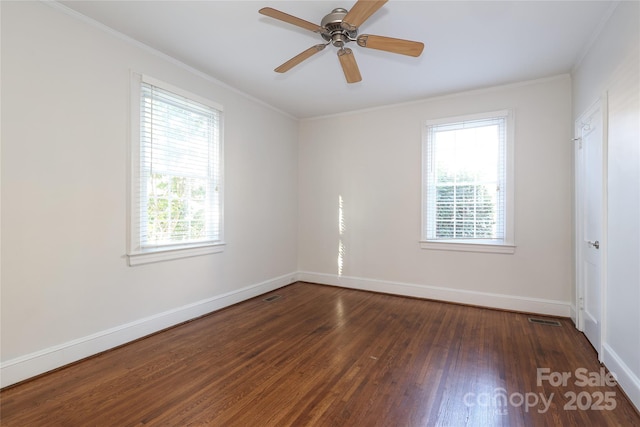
(335, 34)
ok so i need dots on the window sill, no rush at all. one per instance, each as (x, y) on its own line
(468, 246)
(149, 256)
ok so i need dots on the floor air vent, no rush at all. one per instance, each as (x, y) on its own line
(272, 298)
(544, 322)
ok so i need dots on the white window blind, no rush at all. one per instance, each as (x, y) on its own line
(177, 194)
(465, 180)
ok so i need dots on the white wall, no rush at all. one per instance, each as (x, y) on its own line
(612, 69)
(66, 288)
(372, 159)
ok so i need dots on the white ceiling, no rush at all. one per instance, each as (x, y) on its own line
(468, 45)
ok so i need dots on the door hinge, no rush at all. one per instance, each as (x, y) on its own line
(581, 303)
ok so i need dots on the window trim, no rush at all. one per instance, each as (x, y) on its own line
(505, 246)
(136, 254)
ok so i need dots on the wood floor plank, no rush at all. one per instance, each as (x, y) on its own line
(322, 355)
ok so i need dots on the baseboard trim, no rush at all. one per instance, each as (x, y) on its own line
(627, 380)
(483, 299)
(39, 362)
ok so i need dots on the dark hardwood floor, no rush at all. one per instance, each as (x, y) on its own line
(322, 355)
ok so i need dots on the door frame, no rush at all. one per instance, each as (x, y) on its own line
(581, 121)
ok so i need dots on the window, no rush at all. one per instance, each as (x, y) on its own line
(176, 188)
(467, 184)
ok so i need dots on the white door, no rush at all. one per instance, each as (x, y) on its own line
(590, 178)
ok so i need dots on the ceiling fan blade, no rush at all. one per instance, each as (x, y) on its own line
(299, 58)
(360, 12)
(276, 14)
(349, 65)
(389, 44)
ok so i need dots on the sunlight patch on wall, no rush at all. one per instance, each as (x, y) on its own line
(341, 229)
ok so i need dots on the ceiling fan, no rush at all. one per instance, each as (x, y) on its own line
(341, 27)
